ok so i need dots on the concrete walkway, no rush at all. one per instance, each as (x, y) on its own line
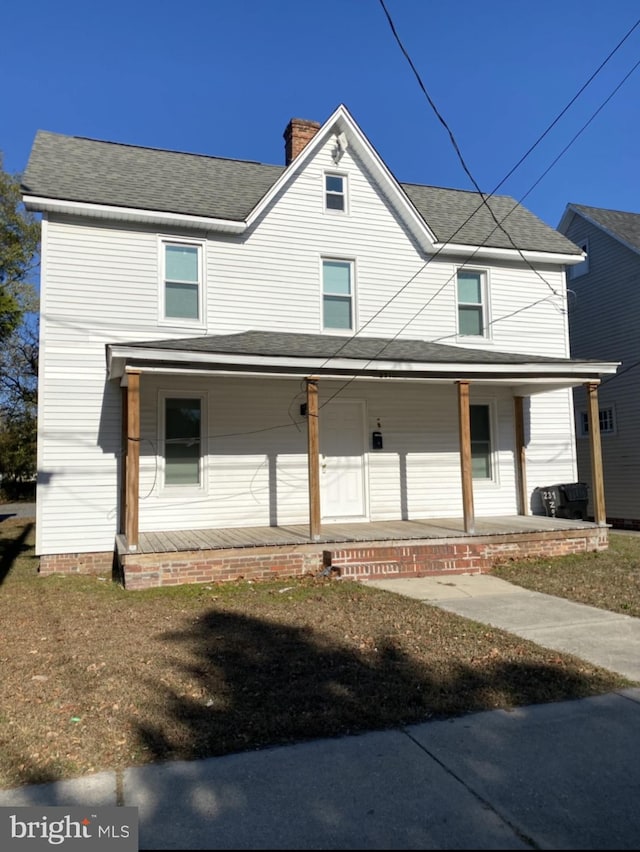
(603, 638)
(551, 776)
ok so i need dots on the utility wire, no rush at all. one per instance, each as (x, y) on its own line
(440, 289)
(483, 196)
(498, 224)
(513, 169)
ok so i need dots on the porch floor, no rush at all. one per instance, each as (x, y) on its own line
(298, 534)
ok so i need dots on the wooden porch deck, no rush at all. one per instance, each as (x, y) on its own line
(172, 541)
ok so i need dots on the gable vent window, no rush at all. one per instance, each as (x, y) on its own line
(335, 193)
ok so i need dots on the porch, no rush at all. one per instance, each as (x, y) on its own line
(354, 550)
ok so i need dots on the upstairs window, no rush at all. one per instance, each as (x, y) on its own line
(337, 295)
(480, 419)
(182, 281)
(335, 193)
(471, 303)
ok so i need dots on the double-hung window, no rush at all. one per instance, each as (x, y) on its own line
(337, 295)
(335, 192)
(472, 303)
(182, 440)
(182, 284)
(606, 418)
(481, 466)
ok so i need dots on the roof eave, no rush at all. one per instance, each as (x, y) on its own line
(614, 236)
(43, 204)
(120, 356)
(495, 253)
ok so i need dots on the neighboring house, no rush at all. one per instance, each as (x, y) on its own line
(231, 349)
(604, 311)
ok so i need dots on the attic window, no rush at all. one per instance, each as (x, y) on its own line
(335, 193)
(583, 267)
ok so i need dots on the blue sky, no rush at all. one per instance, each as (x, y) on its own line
(224, 78)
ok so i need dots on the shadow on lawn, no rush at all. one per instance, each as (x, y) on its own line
(11, 548)
(262, 683)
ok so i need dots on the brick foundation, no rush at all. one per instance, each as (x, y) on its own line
(361, 561)
(145, 570)
(76, 563)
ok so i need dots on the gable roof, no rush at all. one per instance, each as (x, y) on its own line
(71, 169)
(622, 226)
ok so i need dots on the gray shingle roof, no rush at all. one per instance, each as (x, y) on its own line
(625, 226)
(72, 168)
(459, 216)
(290, 344)
(75, 169)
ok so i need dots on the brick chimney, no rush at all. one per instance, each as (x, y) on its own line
(297, 136)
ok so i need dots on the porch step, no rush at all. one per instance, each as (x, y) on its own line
(417, 560)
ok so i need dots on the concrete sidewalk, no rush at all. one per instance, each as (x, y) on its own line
(603, 638)
(550, 776)
(553, 776)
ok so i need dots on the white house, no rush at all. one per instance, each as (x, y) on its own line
(244, 363)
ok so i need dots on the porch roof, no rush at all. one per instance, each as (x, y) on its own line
(295, 354)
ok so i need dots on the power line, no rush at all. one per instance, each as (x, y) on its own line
(520, 161)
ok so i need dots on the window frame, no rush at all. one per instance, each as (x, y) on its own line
(350, 262)
(344, 194)
(582, 268)
(163, 242)
(483, 304)
(602, 409)
(173, 487)
(493, 478)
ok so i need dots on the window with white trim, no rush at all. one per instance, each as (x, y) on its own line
(481, 455)
(182, 440)
(607, 418)
(335, 193)
(182, 281)
(472, 297)
(337, 295)
(583, 267)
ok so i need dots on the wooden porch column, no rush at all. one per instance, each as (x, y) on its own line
(133, 458)
(597, 480)
(313, 452)
(465, 456)
(122, 521)
(521, 459)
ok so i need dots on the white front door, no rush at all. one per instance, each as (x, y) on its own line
(342, 469)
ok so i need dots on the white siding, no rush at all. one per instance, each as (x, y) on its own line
(100, 285)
